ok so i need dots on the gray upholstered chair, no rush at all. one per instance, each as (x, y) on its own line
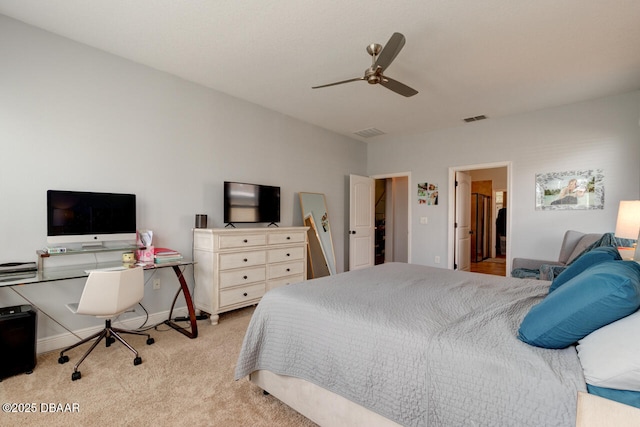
(573, 244)
(107, 294)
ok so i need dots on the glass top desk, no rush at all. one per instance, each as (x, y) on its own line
(78, 271)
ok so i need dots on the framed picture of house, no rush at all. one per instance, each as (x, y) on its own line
(582, 189)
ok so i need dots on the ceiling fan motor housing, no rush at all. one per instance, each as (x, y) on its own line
(372, 76)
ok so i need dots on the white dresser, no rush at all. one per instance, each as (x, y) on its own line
(234, 267)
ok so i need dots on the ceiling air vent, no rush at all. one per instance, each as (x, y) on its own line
(475, 119)
(368, 133)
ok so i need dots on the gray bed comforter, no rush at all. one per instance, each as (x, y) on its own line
(419, 345)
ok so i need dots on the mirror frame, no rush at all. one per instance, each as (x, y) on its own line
(330, 260)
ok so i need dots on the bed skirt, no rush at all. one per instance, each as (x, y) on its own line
(312, 401)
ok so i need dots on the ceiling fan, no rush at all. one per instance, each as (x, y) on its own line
(380, 60)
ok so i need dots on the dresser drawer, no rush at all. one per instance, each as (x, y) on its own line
(242, 241)
(239, 277)
(285, 254)
(285, 269)
(242, 259)
(241, 294)
(276, 283)
(279, 238)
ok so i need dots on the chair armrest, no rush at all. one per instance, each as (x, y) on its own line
(531, 264)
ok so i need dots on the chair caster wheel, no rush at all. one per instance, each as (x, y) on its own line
(137, 361)
(76, 376)
(150, 341)
(63, 359)
(110, 340)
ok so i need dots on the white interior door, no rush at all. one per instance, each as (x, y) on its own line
(361, 222)
(463, 222)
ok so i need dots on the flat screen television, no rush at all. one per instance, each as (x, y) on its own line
(90, 218)
(251, 203)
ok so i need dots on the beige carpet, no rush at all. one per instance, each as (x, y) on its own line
(181, 382)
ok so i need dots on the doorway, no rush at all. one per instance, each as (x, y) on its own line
(391, 220)
(390, 227)
(488, 218)
(481, 227)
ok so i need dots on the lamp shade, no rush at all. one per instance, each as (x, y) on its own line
(628, 224)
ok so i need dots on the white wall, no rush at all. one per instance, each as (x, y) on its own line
(602, 133)
(76, 118)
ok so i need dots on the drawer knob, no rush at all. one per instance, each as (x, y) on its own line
(245, 260)
(288, 237)
(245, 277)
(288, 254)
(288, 269)
(245, 294)
(245, 240)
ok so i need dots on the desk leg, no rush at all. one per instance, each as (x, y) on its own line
(192, 313)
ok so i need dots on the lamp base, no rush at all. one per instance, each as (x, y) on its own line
(627, 253)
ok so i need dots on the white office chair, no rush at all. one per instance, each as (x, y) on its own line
(107, 294)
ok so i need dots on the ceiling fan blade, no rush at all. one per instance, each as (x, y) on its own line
(390, 51)
(397, 87)
(339, 83)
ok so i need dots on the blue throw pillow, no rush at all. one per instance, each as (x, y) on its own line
(586, 260)
(594, 298)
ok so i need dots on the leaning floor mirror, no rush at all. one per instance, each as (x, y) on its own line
(322, 260)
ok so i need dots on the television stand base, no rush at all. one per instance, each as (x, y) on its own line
(92, 246)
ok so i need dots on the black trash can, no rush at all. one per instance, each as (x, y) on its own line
(17, 340)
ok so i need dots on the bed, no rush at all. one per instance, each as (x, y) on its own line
(410, 345)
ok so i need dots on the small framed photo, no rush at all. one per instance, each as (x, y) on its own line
(572, 190)
(427, 193)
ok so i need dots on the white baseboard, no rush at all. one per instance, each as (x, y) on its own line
(61, 341)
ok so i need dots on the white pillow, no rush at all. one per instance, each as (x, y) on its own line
(610, 356)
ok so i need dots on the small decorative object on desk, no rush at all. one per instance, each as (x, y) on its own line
(128, 257)
(165, 255)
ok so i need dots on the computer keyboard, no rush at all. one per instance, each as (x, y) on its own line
(116, 268)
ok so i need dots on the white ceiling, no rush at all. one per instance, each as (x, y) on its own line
(465, 57)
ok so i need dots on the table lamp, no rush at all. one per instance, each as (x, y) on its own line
(628, 226)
